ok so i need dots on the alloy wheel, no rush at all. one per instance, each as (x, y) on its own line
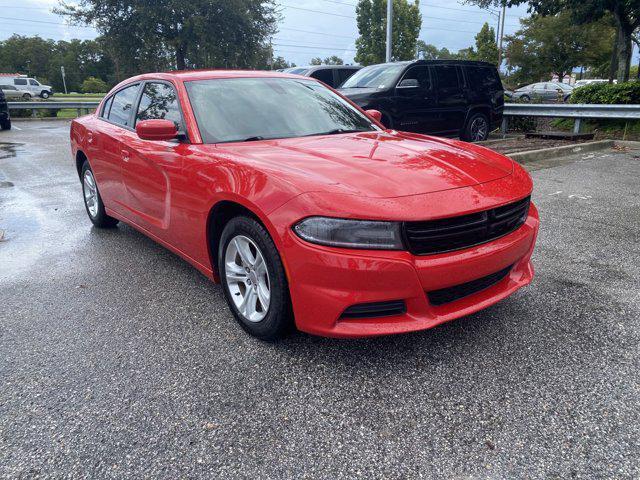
(478, 129)
(90, 193)
(247, 278)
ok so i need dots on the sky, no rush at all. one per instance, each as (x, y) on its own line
(309, 28)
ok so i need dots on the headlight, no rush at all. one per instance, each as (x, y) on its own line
(337, 232)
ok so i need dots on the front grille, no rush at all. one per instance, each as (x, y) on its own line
(451, 294)
(455, 233)
(377, 309)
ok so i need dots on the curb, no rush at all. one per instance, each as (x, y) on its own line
(545, 153)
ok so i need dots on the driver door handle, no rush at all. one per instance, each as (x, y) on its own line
(125, 155)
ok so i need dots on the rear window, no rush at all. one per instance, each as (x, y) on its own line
(344, 73)
(324, 75)
(447, 76)
(484, 77)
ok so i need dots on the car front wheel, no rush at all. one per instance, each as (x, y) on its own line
(44, 94)
(93, 200)
(253, 279)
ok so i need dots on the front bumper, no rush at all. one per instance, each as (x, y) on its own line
(324, 282)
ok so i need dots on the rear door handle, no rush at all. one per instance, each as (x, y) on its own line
(125, 155)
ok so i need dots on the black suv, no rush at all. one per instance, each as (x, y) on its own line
(5, 120)
(443, 97)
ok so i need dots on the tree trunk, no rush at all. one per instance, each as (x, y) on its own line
(180, 62)
(624, 34)
(613, 68)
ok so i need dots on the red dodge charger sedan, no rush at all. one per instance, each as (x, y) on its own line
(306, 209)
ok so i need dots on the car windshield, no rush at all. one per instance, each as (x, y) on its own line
(246, 109)
(375, 76)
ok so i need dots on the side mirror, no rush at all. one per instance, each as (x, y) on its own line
(375, 114)
(409, 83)
(156, 130)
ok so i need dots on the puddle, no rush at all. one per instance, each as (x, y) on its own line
(6, 184)
(8, 150)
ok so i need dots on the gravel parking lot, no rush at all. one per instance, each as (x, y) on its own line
(117, 359)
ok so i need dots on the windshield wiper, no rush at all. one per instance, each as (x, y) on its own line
(338, 130)
(253, 139)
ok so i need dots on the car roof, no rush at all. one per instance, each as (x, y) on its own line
(475, 63)
(192, 75)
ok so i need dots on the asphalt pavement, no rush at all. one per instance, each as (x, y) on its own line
(119, 360)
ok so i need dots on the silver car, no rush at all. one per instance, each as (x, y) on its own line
(549, 91)
(13, 93)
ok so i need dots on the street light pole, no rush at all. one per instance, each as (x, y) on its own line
(504, 14)
(389, 28)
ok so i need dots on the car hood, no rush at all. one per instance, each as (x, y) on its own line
(356, 94)
(372, 164)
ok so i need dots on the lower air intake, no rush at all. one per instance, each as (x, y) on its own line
(451, 294)
(377, 309)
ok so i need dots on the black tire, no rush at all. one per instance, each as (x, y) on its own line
(476, 129)
(5, 124)
(525, 98)
(44, 94)
(100, 219)
(26, 97)
(278, 319)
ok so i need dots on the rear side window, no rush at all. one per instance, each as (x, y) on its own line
(20, 81)
(447, 76)
(122, 104)
(107, 107)
(484, 78)
(159, 101)
(324, 75)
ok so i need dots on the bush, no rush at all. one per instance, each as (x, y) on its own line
(608, 93)
(94, 85)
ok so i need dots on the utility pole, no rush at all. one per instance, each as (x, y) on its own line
(64, 81)
(504, 14)
(389, 28)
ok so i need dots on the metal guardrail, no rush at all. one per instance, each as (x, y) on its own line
(82, 107)
(578, 111)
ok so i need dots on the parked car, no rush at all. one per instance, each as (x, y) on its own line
(5, 119)
(30, 85)
(589, 81)
(332, 75)
(12, 93)
(544, 91)
(303, 206)
(441, 97)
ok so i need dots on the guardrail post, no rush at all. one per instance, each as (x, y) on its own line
(34, 113)
(78, 112)
(505, 125)
(577, 124)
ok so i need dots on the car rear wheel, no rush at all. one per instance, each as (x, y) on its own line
(477, 128)
(253, 279)
(26, 97)
(93, 200)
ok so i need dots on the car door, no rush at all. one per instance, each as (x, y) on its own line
(415, 102)
(452, 102)
(107, 145)
(149, 166)
(10, 93)
(21, 84)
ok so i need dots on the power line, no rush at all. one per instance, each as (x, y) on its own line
(318, 33)
(44, 21)
(313, 46)
(318, 11)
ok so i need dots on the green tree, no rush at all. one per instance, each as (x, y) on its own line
(486, 48)
(152, 35)
(426, 51)
(333, 60)
(316, 61)
(279, 63)
(556, 45)
(372, 24)
(94, 85)
(626, 15)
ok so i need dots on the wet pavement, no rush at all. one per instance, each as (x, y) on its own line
(117, 359)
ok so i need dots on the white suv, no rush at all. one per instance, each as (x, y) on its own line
(32, 86)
